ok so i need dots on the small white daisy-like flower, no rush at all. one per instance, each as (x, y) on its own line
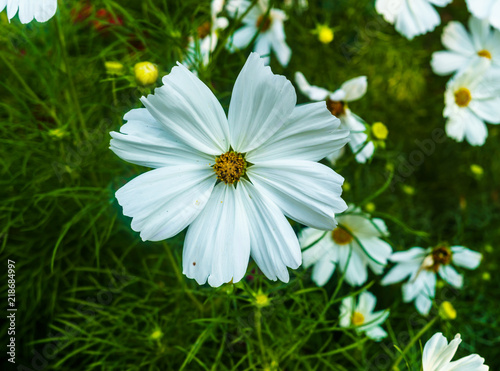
(362, 317)
(464, 48)
(422, 266)
(41, 10)
(486, 9)
(268, 26)
(438, 354)
(471, 98)
(354, 245)
(411, 17)
(208, 34)
(230, 179)
(336, 103)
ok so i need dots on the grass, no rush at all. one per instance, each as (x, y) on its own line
(91, 294)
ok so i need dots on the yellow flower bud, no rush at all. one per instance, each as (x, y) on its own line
(477, 170)
(370, 207)
(113, 68)
(156, 334)
(446, 311)
(325, 34)
(486, 276)
(261, 300)
(57, 133)
(347, 186)
(380, 131)
(488, 248)
(146, 73)
(409, 190)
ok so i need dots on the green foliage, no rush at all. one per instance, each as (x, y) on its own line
(91, 294)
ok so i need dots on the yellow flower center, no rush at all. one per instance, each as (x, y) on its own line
(264, 23)
(230, 167)
(380, 131)
(341, 236)
(484, 53)
(337, 108)
(325, 34)
(441, 255)
(463, 97)
(357, 319)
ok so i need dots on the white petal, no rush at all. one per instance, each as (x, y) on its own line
(310, 133)
(144, 141)
(346, 310)
(306, 191)
(376, 333)
(476, 131)
(432, 351)
(456, 38)
(413, 255)
(318, 246)
(378, 250)
(440, 2)
(494, 15)
(455, 126)
(189, 110)
(273, 243)
(398, 273)
(445, 354)
(311, 91)
(263, 48)
(279, 45)
(217, 245)
(241, 38)
(463, 257)
(389, 9)
(445, 62)
(260, 105)
(472, 362)
(450, 275)
(479, 31)
(487, 109)
(323, 271)
(480, 9)
(366, 303)
(416, 18)
(353, 265)
(164, 201)
(423, 304)
(355, 88)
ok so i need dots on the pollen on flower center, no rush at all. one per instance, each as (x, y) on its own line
(341, 236)
(441, 255)
(484, 53)
(203, 30)
(230, 167)
(337, 108)
(357, 319)
(264, 23)
(463, 97)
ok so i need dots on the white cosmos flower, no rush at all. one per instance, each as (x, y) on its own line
(438, 354)
(269, 28)
(465, 49)
(486, 9)
(208, 34)
(471, 98)
(41, 10)
(411, 17)
(231, 180)
(362, 317)
(354, 246)
(336, 102)
(422, 266)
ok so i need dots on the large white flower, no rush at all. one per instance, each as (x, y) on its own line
(471, 98)
(362, 317)
(438, 354)
(268, 26)
(486, 9)
(208, 35)
(41, 10)
(231, 180)
(336, 103)
(354, 246)
(423, 266)
(465, 49)
(411, 17)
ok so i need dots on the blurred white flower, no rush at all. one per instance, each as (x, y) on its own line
(486, 9)
(466, 48)
(41, 10)
(354, 246)
(438, 354)
(362, 317)
(267, 24)
(471, 98)
(422, 267)
(231, 180)
(411, 17)
(336, 103)
(208, 35)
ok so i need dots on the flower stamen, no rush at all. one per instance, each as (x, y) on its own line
(463, 97)
(336, 108)
(264, 23)
(357, 319)
(341, 236)
(484, 53)
(230, 167)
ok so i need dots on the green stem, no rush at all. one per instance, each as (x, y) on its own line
(412, 342)
(258, 328)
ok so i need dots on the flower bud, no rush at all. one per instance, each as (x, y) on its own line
(146, 73)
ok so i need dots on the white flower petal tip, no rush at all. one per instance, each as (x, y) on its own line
(437, 356)
(40, 10)
(200, 184)
(354, 246)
